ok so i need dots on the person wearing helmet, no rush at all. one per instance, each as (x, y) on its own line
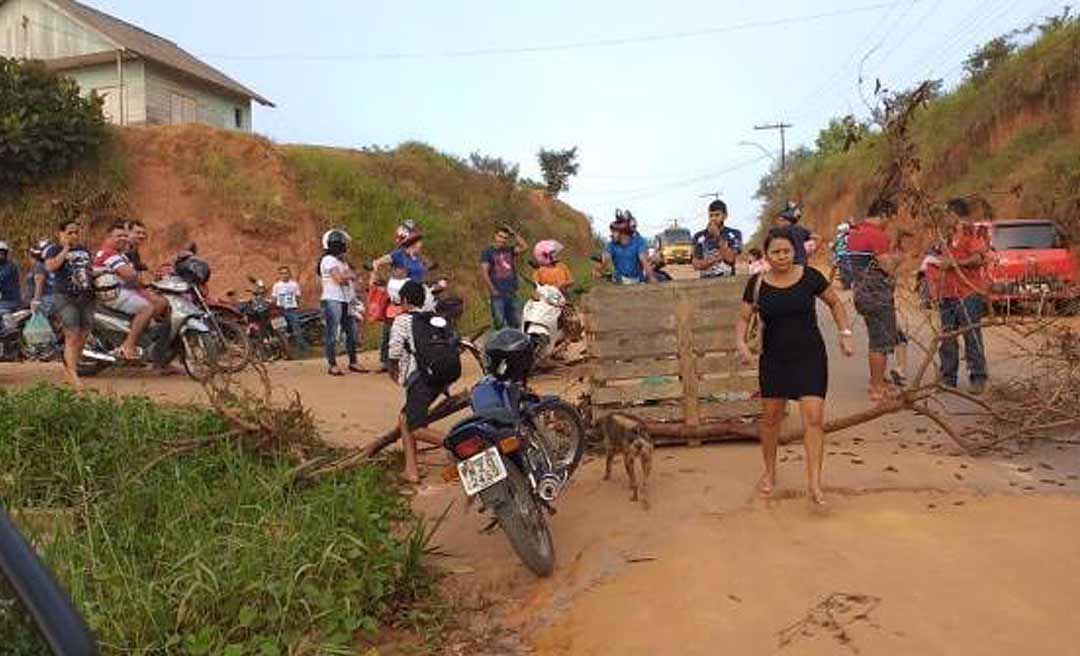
(841, 262)
(40, 289)
(551, 271)
(789, 218)
(10, 291)
(500, 276)
(627, 254)
(717, 247)
(405, 263)
(337, 278)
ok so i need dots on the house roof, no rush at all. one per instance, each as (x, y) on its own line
(151, 46)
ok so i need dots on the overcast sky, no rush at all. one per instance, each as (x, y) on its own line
(657, 96)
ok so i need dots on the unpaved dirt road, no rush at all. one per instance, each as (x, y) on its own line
(924, 550)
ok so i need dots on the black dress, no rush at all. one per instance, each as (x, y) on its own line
(793, 361)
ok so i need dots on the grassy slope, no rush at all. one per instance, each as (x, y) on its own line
(1016, 131)
(457, 208)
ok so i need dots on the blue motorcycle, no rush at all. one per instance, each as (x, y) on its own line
(518, 450)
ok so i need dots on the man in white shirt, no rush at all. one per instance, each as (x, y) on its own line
(287, 295)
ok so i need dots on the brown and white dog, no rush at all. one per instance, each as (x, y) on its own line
(626, 434)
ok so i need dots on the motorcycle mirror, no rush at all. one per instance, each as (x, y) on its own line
(533, 263)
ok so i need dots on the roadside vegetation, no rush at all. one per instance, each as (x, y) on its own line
(1009, 134)
(210, 551)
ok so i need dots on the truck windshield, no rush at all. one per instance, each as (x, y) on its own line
(1033, 236)
(674, 236)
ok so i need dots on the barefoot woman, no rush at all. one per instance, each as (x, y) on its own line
(793, 363)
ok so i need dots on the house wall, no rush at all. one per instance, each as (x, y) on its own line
(212, 106)
(104, 79)
(46, 33)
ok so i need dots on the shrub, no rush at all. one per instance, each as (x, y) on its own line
(46, 127)
(210, 552)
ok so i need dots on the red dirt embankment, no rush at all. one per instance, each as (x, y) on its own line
(170, 194)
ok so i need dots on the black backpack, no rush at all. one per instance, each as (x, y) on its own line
(80, 279)
(436, 349)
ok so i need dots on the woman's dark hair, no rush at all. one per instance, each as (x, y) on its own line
(882, 207)
(779, 233)
(958, 206)
(756, 253)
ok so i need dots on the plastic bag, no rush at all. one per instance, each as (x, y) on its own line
(377, 301)
(38, 331)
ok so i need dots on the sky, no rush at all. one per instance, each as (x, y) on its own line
(656, 96)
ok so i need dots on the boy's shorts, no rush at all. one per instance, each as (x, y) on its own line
(418, 399)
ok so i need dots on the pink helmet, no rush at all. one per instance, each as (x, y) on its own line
(546, 252)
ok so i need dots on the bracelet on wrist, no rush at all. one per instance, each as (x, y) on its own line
(847, 333)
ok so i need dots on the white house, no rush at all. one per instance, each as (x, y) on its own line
(144, 78)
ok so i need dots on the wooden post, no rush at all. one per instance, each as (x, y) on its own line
(684, 314)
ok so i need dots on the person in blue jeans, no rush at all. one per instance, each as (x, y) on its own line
(497, 262)
(337, 279)
(627, 253)
(286, 294)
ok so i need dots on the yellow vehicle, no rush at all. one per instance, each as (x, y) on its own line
(675, 245)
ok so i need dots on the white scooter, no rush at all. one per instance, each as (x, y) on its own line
(540, 321)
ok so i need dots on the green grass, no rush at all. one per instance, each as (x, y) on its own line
(210, 552)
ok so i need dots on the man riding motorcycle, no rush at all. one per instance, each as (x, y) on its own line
(120, 292)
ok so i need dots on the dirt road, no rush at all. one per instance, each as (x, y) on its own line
(937, 552)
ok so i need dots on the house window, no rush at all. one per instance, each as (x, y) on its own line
(238, 117)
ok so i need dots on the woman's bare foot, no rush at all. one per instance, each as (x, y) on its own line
(767, 484)
(411, 478)
(817, 498)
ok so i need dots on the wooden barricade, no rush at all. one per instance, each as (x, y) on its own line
(666, 352)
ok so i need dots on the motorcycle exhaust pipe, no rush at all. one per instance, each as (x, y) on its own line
(548, 489)
(91, 354)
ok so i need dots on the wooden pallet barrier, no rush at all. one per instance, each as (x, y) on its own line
(666, 353)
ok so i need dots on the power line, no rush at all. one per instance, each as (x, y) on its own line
(579, 45)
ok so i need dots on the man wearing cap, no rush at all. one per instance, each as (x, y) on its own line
(627, 254)
(789, 218)
(717, 246)
(10, 293)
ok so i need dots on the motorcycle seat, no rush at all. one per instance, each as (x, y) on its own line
(104, 309)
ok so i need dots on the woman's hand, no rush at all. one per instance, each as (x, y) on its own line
(746, 356)
(847, 345)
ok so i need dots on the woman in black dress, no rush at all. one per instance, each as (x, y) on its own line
(793, 365)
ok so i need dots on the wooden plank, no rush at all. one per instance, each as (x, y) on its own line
(609, 370)
(718, 362)
(629, 346)
(638, 321)
(672, 412)
(720, 338)
(670, 388)
(742, 383)
(687, 369)
(662, 412)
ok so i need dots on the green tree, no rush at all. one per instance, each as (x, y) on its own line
(45, 125)
(840, 135)
(495, 166)
(558, 166)
(988, 56)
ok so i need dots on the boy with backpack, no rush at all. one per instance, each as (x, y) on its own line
(425, 360)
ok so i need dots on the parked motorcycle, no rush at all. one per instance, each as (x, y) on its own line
(518, 450)
(200, 342)
(14, 346)
(267, 329)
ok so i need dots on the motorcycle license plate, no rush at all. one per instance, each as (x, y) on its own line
(278, 323)
(481, 471)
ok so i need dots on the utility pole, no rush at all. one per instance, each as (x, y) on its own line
(783, 141)
(712, 194)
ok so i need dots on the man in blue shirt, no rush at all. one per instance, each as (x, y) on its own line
(500, 275)
(10, 292)
(717, 246)
(628, 254)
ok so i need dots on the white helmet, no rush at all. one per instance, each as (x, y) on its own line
(336, 241)
(4, 246)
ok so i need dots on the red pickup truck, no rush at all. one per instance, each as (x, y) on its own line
(1032, 260)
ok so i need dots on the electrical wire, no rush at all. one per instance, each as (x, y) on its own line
(579, 45)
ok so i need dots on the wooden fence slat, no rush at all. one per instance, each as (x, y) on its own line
(721, 338)
(633, 321)
(609, 370)
(728, 384)
(644, 391)
(672, 411)
(630, 346)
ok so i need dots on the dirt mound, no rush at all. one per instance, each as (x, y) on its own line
(183, 187)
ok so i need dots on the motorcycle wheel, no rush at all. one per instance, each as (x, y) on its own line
(234, 347)
(198, 355)
(563, 432)
(522, 519)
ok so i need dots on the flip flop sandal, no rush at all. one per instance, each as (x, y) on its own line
(357, 369)
(898, 379)
(335, 372)
(119, 354)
